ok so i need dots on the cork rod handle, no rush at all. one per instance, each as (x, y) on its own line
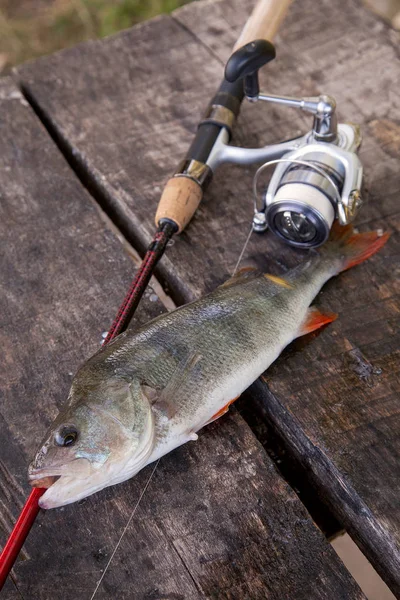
(179, 201)
(263, 22)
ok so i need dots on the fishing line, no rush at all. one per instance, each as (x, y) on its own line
(156, 465)
(125, 529)
(243, 250)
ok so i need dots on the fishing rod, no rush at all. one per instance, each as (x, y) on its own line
(179, 201)
(317, 179)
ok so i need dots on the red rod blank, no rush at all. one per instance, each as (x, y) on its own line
(31, 508)
(18, 535)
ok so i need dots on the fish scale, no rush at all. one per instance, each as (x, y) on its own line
(150, 391)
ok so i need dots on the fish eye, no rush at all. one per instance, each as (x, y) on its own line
(66, 435)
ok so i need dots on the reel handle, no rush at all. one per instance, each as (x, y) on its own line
(245, 62)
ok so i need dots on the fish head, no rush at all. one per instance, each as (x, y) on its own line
(103, 437)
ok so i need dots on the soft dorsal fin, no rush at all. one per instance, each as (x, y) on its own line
(315, 319)
(279, 281)
(244, 274)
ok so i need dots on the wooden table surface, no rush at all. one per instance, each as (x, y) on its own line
(218, 520)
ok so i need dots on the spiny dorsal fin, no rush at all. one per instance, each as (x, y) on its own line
(315, 319)
(279, 281)
(244, 274)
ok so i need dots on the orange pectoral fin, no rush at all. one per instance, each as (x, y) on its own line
(222, 411)
(316, 319)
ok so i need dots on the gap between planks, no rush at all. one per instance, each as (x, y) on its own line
(98, 197)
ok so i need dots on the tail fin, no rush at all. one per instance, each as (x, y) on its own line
(352, 248)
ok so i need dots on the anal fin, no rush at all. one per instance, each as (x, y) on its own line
(315, 319)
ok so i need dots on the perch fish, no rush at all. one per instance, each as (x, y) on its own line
(152, 390)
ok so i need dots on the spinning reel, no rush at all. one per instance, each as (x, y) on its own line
(318, 175)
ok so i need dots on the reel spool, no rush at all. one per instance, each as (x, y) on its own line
(302, 210)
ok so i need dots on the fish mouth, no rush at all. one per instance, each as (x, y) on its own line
(79, 467)
(71, 482)
(62, 489)
(43, 482)
(45, 477)
(65, 487)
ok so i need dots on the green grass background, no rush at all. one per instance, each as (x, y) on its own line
(31, 28)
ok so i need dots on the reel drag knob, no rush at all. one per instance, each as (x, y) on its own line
(245, 62)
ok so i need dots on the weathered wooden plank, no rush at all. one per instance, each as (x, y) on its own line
(237, 537)
(62, 276)
(344, 389)
(129, 131)
(215, 512)
(265, 411)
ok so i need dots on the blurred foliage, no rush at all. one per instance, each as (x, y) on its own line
(31, 28)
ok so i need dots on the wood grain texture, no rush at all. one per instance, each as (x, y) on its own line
(129, 131)
(343, 388)
(217, 520)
